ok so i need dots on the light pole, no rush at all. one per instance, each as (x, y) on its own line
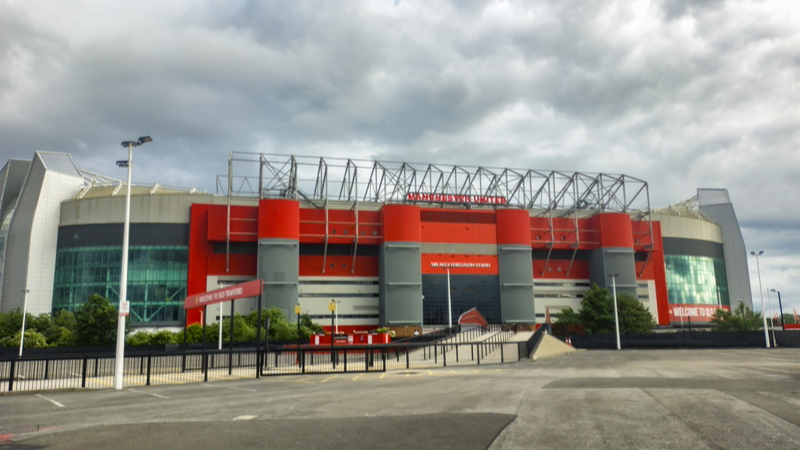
(449, 306)
(219, 321)
(616, 315)
(761, 291)
(780, 306)
(124, 305)
(24, 307)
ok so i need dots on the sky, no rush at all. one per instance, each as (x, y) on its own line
(683, 94)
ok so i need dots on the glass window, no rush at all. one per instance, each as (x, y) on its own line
(156, 279)
(696, 280)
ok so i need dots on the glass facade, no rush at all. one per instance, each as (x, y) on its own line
(696, 280)
(156, 279)
(466, 291)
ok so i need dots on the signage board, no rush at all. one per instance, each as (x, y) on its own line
(456, 198)
(226, 294)
(694, 313)
(124, 308)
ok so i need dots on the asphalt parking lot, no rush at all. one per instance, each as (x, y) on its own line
(666, 399)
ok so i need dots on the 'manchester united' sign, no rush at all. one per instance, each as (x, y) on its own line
(454, 198)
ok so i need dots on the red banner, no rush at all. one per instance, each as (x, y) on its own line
(226, 294)
(695, 313)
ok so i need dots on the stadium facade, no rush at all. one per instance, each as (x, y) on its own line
(386, 241)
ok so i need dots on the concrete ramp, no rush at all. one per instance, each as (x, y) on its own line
(550, 347)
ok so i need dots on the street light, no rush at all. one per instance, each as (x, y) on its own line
(449, 306)
(761, 290)
(24, 307)
(780, 306)
(616, 315)
(124, 305)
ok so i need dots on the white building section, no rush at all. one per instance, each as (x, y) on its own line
(357, 297)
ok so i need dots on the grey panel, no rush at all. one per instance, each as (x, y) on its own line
(278, 265)
(516, 284)
(460, 249)
(13, 177)
(481, 292)
(612, 260)
(736, 264)
(59, 162)
(110, 235)
(692, 247)
(400, 284)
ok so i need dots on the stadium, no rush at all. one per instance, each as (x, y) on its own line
(389, 243)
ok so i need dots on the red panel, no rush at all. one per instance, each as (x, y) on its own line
(579, 271)
(513, 227)
(401, 223)
(198, 257)
(239, 264)
(563, 233)
(660, 275)
(459, 233)
(615, 229)
(311, 266)
(244, 223)
(279, 219)
(460, 264)
(341, 226)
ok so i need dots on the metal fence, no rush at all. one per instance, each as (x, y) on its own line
(97, 370)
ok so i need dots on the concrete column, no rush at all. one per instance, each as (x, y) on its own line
(279, 253)
(515, 266)
(401, 266)
(615, 255)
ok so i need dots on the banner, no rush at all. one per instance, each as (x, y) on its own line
(226, 294)
(694, 313)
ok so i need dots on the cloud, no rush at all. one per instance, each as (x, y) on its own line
(683, 94)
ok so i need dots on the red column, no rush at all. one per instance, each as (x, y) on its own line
(198, 257)
(279, 218)
(401, 223)
(513, 227)
(615, 229)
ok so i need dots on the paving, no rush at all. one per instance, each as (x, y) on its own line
(660, 399)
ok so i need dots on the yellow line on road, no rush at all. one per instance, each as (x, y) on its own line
(384, 374)
(357, 377)
(328, 379)
(430, 373)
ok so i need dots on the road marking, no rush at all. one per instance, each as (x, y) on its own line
(454, 372)
(50, 400)
(357, 377)
(149, 393)
(430, 373)
(229, 387)
(384, 374)
(328, 379)
(244, 418)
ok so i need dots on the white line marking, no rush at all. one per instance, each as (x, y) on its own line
(50, 400)
(244, 418)
(229, 387)
(149, 393)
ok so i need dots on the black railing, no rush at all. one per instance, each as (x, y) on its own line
(32, 373)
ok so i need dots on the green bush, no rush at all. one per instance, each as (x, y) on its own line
(96, 322)
(741, 319)
(33, 339)
(139, 338)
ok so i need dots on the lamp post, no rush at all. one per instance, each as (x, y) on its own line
(219, 320)
(761, 291)
(616, 315)
(24, 308)
(449, 306)
(124, 305)
(780, 306)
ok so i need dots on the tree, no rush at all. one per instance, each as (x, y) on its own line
(33, 339)
(568, 321)
(741, 319)
(597, 313)
(96, 322)
(633, 316)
